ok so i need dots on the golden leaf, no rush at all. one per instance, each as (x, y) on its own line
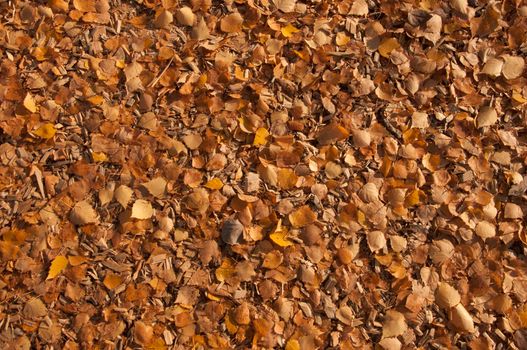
(99, 157)
(230, 325)
(260, 137)
(302, 216)
(212, 297)
(292, 344)
(225, 270)
(112, 280)
(77, 260)
(387, 46)
(342, 39)
(214, 184)
(289, 30)
(286, 178)
(57, 265)
(46, 131)
(279, 236)
(156, 344)
(95, 100)
(412, 198)
(517, 97)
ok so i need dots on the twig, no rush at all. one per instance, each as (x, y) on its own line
(381, 118)
(154, 82)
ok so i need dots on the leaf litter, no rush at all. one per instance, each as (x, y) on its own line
(277, 174)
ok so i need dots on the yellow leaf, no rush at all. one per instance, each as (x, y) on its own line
(46, 131)
(412, 198)
(289, 30)
(300, 54)
(279, 236)
(77, 260)
(57, 265)
(99, 157)
(112, 280)
(156, 344)
(519, 98)
(287, 178)
(212, 297)
(95, 100)
(40, 53)
(225, 270)
(387, 46)
(214, 184)
(120, 64)
(292, 344)
(260, 137)
(29, 103)
(342, 39)
(361, 218)
(230, 325)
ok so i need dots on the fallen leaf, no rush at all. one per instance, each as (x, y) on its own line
(394, 324)
(142, 210)
(260, 137)
(286, 6)
(123, 195)
(302, 216)
(185, 16)
(29, 103)
(57, 266)
(156, 187)
(487, 116)
(289, 30)
(112, 281)
(46, 131)
(279, 236)
(231, 231)
(83, 213)
(387, 46)
(214, 184)
(231, 23)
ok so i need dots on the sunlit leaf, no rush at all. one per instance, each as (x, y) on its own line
(46, 131)
(57, 266)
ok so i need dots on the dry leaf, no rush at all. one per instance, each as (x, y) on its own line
(214, 184)
(286, 6)
(513, 66)
(359, 8)
(46, 131)
(142, 210)
(185, 16)
(163, 19)
(302, 216)
(83, 213)
(260, 137)
(35, 308)
(231, 23)
(387, 46)
(461, 319)
(231, 231)
(279, 236)
(493, 67)
(29, 103)
(487, 116)
(361, 138)
(376, 240)
(485, 229)
(156, 187)
(447, 296)
(512, 211)
(112, 281)
(57, 266)
(394, 324)
(289, 30)
(123, 195)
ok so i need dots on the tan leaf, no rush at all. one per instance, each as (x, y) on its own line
(394, 324)
(512, 211)
(513, 67)
(302, 216)
(345, 315)
(493, 67)
(163, 19)
(200, 31)
(231, 23)
(156, 187)
(461, 319)
(359, 8)
(485, 230)
(185, 16)
(29, 103)
(361, 138)
(83, 213)
(376, 240)
(387, 46)
(369, 192)
(142, 210)
(447, 296)
(112, 280)
(231, 231)
(487, 116)
(123, 194)
(285, 5)
(35, 308)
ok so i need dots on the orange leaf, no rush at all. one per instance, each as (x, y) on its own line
(29, 103)
(289, 30)
(387, 46)
(279, 236)
(112, 280)
(214, 184)
(225, 270)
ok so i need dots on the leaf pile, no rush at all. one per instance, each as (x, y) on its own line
(263, 174)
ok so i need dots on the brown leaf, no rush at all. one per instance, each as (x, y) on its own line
(231, 23)
(302, 216)
(394, 324)
(83, 213)
(142, 210)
